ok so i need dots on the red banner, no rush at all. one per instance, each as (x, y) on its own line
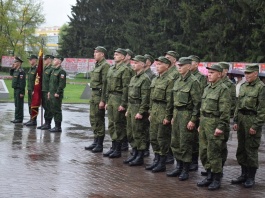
(36, 97)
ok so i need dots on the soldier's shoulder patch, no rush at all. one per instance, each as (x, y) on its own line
(62, 75)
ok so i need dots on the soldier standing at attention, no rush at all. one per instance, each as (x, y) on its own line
(249, 118)
(186, 98)
(160, 114)
(31, 82)
(137, 112)
(18, 84)
(47, 70)
(215, 115)
(98, 85)
(55, 94)
(118, 79)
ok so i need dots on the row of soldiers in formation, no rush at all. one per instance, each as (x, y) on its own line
(53, 84)
(176, 111)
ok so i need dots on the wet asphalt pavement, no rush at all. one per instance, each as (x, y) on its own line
(36, 163)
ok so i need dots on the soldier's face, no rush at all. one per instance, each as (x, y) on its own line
(171, 58)
(17, 64)
(98, 55)
(118, 57)
(137, 66)
(56, 62)
(183, 69)
(127, 57)
(213, 75)
(161, 67)
(250, 77)
(32, 62)
(194, 65)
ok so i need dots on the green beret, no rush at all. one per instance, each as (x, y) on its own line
(140, 58)
(121, 51)
(59, 57)
(163, 59)
(17, 59)
(172, 53)
(252, 68)
(48, 56)
(149, 57)
(194, 58)
(184, 61)
(224, 65)
(32, 56)
(129, 52)
(215, 67)
(101, 49)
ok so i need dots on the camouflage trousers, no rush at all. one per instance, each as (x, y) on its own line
(46, 106)
(210, 146)
(159, 133)
(224, 145)
(182, 139)
(19, 105)
(117, 119)
(136, 132)
(97, 116)
(248, 145)
(56, 107)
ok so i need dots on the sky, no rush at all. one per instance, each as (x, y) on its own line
(56, 11)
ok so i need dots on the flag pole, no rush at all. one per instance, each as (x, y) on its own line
(42, 44)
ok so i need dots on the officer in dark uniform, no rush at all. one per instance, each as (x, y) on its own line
(18, 84)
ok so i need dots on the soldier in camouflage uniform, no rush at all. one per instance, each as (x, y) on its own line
(137, 112)
(98, 84)
(56, 89)
(249, 118)
(47, 70)
(31, 82)
(118, 79)
(18, 84)
(215, 114)
(186, 97)
(160, 114)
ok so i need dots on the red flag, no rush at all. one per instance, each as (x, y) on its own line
(36, 97)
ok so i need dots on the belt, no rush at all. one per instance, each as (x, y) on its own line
(96, 89)
(183, 108)
(248, 112)
(115, 92)
(135, 101)
(209, 115)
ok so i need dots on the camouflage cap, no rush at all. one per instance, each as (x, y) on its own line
(101, 49)
(252, 68)
(149, 57)
(121, 51)
(163, 59)
(59, 57)
(172, 53)
(224, 65)
(129, 52)
(215, 67)
(17, 59)
(32, 56)
(194, 58)
(48, 56)
(184, 61)
(140, 58)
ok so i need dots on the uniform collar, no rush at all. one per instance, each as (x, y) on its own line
(164, 75)
(100, 62)
(214, 85)
(186, 76)
(141, 73)
(196, 71)
(254, 82)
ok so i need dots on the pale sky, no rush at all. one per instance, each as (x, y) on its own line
(56, 11)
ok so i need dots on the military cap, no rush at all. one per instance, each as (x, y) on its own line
(215, 67)
(194, 58)
(17, 59)
(163, 59)
(32, 56)
(48, 56)
(252, 68)
(121, 51)
(101, 49)
(140, 58)
(151, 58)
(129, 52)
(184, 61)
(172, 53)
(224, 65)
(59, 57)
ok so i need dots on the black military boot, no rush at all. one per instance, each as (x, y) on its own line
(250, 182)
(132, 157)
(194, 164)
(57, 127)
(203, 173)
(111, 150)
(117, 152)
(216, 182)
(155, 162)
(176, 172)
(147, 152)
(32, 122)
(93, 145)
(39, 127)
(125, 145)
(242, 178)
(184, 175)
(161, 167)
(170, 157)
(25, 123)
(47, 125)
(99, 147)
(139, 160)
(207, 181)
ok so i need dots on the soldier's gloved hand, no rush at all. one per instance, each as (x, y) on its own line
(218, 132)
(190, 125)
(235, 127)
(252, 131)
